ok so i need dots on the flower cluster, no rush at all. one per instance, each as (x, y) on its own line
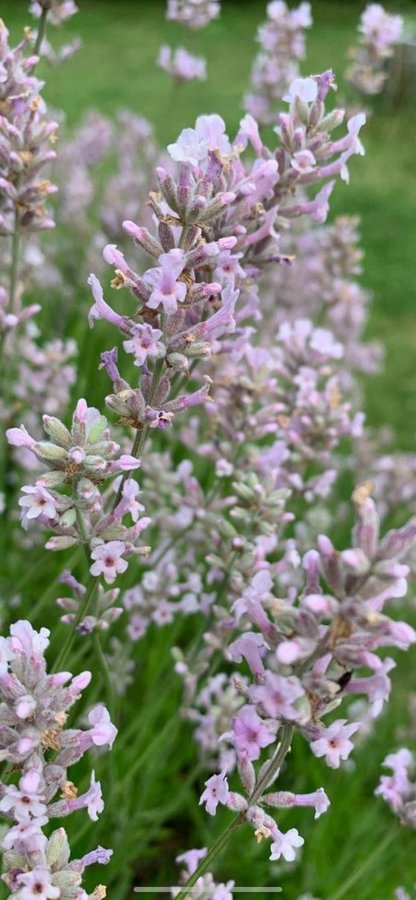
(193, 13)
(284, 844)
(240, 523)
(276, 65)
(83, 459)
(397, 789)
(380, 31)
(25, 142)
(322, 285)
(305, 654)
(34, 712)
(181, 65)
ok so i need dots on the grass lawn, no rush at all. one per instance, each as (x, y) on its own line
(116, 68)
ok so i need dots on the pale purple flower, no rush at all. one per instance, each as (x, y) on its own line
(25, 801)
(251, 647)
(109, 560)
(216, 791)
(192, 858)
(188, 148)
(103, 731)
(166, 290)
(250, 734)
(38, 502)
(37, 883)
(277, 695)
(193, 144)
(144, 343)
(379, 27)
(193, 13)
(303, 161)
(396, 788)
(93, 799)
(305, 89)
(130, 492)
(26, 834)
(334, 743)
(283, 799)
(285, 844)
(26, 641)
(181, 65)
(100, 308)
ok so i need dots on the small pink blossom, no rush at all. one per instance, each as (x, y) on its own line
(103, 731)
(25, 801)
(216, 791)
(334, 743)
(251, 647)
(277, 695)
(38, 502)
(181, 65)
(94, 799)
(286, 844)
(166, 290)
(305, 89)
(144, 343)
(109, 560)
(37, 883)
(25, 640)
(250, 734)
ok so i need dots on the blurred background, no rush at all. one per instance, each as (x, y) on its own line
(116, 68)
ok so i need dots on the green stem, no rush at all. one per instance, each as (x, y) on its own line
(14, 267)
(82, 612)
(110, 703)
(41, 31)
(105, 672)
(222, 840)
(13, 280)
(141, 434)
(275, 764)
(368, 862)
(216, 848)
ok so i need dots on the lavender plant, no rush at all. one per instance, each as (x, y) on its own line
(379, 32)
(237, 325)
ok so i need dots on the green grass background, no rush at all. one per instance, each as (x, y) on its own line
(152, 814)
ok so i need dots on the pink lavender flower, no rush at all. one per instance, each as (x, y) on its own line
(285, 844)
(250, 734)
(193, 13)
(380, 31)
(252, 647)
(397, 789)
(30, 805)
(216, 791)
(38, 502)
(282, 46)
(103, 732)
(144, 344)
(277, 696)
(181, 65)
(379, 27)
(37, 883)
(317, 799)
(334, 743)
(166, 290)
(25, 801)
